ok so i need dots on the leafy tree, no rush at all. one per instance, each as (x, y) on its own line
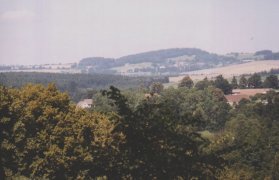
(5, 129)
(223, 84)
(159, 143)
(203, 84)
(186, 82)
(234, 83)
(156, 87)
(134, 97)
(43, 136)
(255, 81)
(208, 107)
(243, 83)
(250, 139)
(271, 82)
(103, 104)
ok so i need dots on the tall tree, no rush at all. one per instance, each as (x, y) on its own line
(156, 87)
(255, 81)
(223, 84)
(203, 84)
(243, 83)
(51, 139)
(186, 82)
(234, 83)
(160, 144)
(271, 81)
(5, 128)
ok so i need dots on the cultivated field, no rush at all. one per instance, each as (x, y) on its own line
(229, 71)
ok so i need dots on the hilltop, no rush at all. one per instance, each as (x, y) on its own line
(165, 61)
(168, 62)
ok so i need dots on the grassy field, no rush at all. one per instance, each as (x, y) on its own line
(131, 67)
(229, 71)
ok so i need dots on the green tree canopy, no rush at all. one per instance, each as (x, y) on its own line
(44, 136)
(156, 87)
(203, 84)
(243, 83)
(223, 84)
(186, 82)
(234, 83)
(162, 142)
(255, 81)
(271, 81)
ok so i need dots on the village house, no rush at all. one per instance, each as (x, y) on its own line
(85, 103)
(238, 94)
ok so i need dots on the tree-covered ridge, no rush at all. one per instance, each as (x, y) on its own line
(171, 61)
(168, 61)
(181, 133)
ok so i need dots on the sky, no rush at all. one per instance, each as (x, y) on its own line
(52, 31)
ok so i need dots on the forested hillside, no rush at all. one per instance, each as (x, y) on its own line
(173, 61)
(167, 61)
(77, 84)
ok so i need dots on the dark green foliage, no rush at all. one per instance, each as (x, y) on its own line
(160, 143)
(223, 84)
(156, 87)
(234, 83)
(77, 84)
(186, 82)
(255, 81)
(271, 81)
(179, 134)
(208, 106)
(201, 85)
(243, 83)
(253, 133)
(5, 127)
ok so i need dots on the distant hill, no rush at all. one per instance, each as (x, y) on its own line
(166, 61)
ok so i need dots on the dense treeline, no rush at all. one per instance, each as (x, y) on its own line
(181, 133)
(256, 81)
(268, 54)
(77, 84)
(252, 82)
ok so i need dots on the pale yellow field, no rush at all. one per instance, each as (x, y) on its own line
(131, 67)
(229, 71)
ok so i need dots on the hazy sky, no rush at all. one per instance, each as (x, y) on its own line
(53, 31)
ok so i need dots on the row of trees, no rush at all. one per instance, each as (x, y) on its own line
(254, 81)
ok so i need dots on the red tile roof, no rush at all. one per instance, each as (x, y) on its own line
(235, 98)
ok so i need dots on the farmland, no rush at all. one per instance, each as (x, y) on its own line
(229, 71)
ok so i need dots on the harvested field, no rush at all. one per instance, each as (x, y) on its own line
(229, 71)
